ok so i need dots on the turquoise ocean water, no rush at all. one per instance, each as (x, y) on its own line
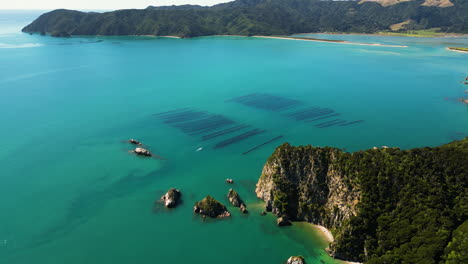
(71, 193)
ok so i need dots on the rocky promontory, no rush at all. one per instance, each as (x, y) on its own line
(211, 207)
(382, 205)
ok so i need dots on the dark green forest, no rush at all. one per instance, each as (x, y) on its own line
(413, 206)
(254, 17)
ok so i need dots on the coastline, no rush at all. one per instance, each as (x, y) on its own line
(337, 42)
(327, 236)
(448, 35)
(461, 51)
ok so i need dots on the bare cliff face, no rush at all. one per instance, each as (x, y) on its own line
(306, 183)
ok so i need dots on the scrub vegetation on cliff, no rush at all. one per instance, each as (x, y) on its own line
(382, 205)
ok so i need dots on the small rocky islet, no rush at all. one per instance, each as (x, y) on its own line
(211, 207)
(139, 150)
(172, 198)
(235, 200)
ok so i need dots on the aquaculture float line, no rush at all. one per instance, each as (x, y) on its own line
(261, 145)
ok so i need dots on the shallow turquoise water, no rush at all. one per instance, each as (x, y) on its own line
(70, 192)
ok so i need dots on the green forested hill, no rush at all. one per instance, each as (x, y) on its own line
(255, 17)
(382, 205)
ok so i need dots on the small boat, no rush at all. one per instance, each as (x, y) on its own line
(199, 149)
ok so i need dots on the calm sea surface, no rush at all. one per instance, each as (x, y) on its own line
(71, 193)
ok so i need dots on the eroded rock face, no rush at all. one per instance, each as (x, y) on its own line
(171, 198)
(235, 200)
(211, 207)
(283, 221)
(143, 152)
(296, 260)
(307, 184)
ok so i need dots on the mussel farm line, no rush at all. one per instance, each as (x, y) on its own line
(261, 145)
(238, 138)
(224, 132)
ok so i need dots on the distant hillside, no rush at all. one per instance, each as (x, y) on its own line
(437, 3)
(258, 17)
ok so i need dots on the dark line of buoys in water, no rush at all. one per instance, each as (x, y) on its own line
(261, 145)
(332, 124)
(325, 123)
(303, 111)
(238, 138)
(224, 132)
(169, 112)
(209, 128)
(319, 113)
(352, 122)
(323, 117)
(187, 117)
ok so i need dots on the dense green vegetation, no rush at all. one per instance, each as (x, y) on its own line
(459, 49)
(256, 17)
(413, 206)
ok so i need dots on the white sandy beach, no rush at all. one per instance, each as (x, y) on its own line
(328, 237)
(337, 42)
(461, 51)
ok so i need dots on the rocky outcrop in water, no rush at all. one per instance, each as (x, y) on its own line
(171, 198)
(211, 207)
(135, 142)
(143, 152)
(283, 221)
(235, 200)
(296, 260)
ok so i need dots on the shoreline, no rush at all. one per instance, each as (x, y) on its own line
(327, 236)
(448, 35)
(461, 51)
(333, 41)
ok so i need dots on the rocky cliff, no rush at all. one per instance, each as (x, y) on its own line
(306, 183)
(382, 205)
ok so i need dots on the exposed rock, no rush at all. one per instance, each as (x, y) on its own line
(133, 141)
(243, 209)
(283, 221)
(211, 207)
(142, 152)
(235, 200)
(230, 181)
(307, 183)
(171, 198)
(263, 213)
(296, 260)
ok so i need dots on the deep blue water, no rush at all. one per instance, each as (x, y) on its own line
(71, 192)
